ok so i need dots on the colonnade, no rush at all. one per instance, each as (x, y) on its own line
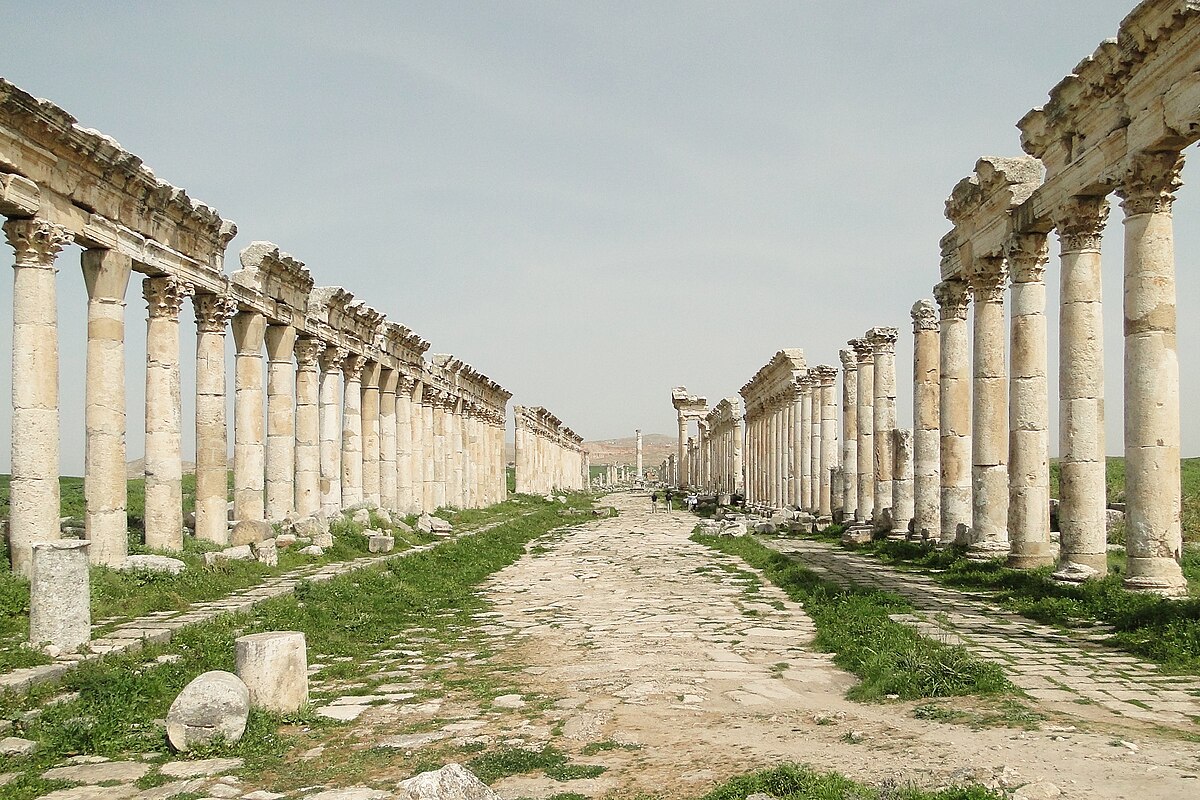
(549, 455)
(724, 448)
(688, 408)
(333, 404)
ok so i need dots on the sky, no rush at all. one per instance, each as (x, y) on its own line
(590, 202)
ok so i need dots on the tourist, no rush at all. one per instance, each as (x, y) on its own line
(653, 502)
(668, 496)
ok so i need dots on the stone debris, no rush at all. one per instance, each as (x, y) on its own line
(312, 550)
(153, 563)
(451, 782)
(215, 703)
(265, 552)
(250, 531)
(16, 746)
(380, 542)
(104, 772)
(274, 667)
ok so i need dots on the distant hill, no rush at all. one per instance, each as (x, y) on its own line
(655, 448)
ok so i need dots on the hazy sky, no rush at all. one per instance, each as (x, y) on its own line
(589, 202)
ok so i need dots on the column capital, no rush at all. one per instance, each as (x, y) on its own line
(164, 296)
(213, 311)
(952, 299)
(37, 242)
(924, 316)
(1027, 257)
(849, 361)
(987, 279)
(864, 353)
(826, 374)
(1080, 223)
(1150, 182)
(352, 366)
(883, 340)
(331, 358)
(308, 350)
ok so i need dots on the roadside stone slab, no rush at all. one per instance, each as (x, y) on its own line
(120, 771)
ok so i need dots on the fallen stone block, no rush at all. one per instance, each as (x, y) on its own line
(250, 531)
(285, 540)
(215, 703)
(380, 543)
(361, 516)
(323, 539)
(265, 552)
(853, 537)
(451, 782)
(766, 527)
(164, 564)
(311, 550)
(274, 667)
(16, 746)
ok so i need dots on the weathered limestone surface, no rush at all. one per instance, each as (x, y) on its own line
(926, 423)
(989, 413)
(331, 471)
(213, 313)
(849, 433)
(954, 404)
(281, 421)
(902, 482)
(864, 353)
(308, 426)
(59, 596)
(883, 413)
(249, 331)
(274, 667)
(215, 703)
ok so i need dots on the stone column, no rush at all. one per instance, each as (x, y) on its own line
(406, 498)
(454, 452)
(1153, 533)
(331, 419)
(106, 275)
(1029, 407)
(827, 375)
(281, 422)
(387, 439)
(34, 495)
(249, 330)
(815, 443)
(60, 612)
(883, 345)
(865, 355)
(739, 433)
(1082, 482)
(370, 433)
(803, 444)
(927, 504)
(773, 432)
(849, 434)
(521, 457)
(439, 451)
(638, 458)
(164, 446)
(902, 482)
(989, 413)
(213, 313)
(308, 427)
(681, 461)
(352, 444)
(954, 412)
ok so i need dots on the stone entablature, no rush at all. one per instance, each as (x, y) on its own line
(775, 430)
(339, 419)
(724, 437)
(688, 408)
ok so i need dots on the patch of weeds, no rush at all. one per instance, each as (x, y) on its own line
(574, 772)
(939, 713)
(567, 796)
(853, 623)
(799, 782)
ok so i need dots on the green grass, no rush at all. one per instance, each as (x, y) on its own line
(853, 623)
(799, 782)
(1189, 480)
(353, 616)
(554, 764)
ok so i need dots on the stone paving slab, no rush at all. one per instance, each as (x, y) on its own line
(1045, 662)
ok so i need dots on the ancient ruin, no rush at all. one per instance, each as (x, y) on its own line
(550, 456)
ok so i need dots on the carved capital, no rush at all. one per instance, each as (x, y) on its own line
(987, 279)
(331, 358)
(308, 350)
(952, 299)
(164, 296)
(924, 316)
(352, 366)
(849, 360)
(1080, 224)
(1150, 183)
(883, 340)
(863, 351)
(36, 242)
(826, 374)
(1027, 258)
(213, 312)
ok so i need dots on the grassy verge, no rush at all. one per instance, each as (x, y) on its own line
(1166, 632)
(798, 782)
(854, 624)
(424, 601)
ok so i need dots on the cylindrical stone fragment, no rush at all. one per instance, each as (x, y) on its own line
(849, 434)
(954, 413)
(281, 422)
(308, 426)
(59, 595)
(249, 330)
(865, 510)
(212, 313)
(989, 413)
(926, 435)
(274, 667)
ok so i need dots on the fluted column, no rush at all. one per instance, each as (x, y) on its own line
(281, 421)
(989, 412)
(249, 330)
(331, 359)
(213, 313)
(954, 412)
(106, 275)
(1082, 482)
(883, 415)
(308, 427)
(815, 442)
(164, 417)
(352, 436)
(370, 432)
(927, 504)
(1029, 407)
(1153, 532)
(863, 352)
(803, 443)
(387, 439)
(406, 498)
(827, 376)
(849, 434)
(33, 493)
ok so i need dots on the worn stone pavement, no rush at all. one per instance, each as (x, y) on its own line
(1066, 671)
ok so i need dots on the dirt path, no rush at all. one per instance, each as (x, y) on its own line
(645, 639)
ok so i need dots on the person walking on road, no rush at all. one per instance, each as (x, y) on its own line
(668, 496)
(653, 502)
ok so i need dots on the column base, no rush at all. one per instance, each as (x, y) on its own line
(1080, 569)
(1031, 557)
(1156, 575)
(986, 551)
